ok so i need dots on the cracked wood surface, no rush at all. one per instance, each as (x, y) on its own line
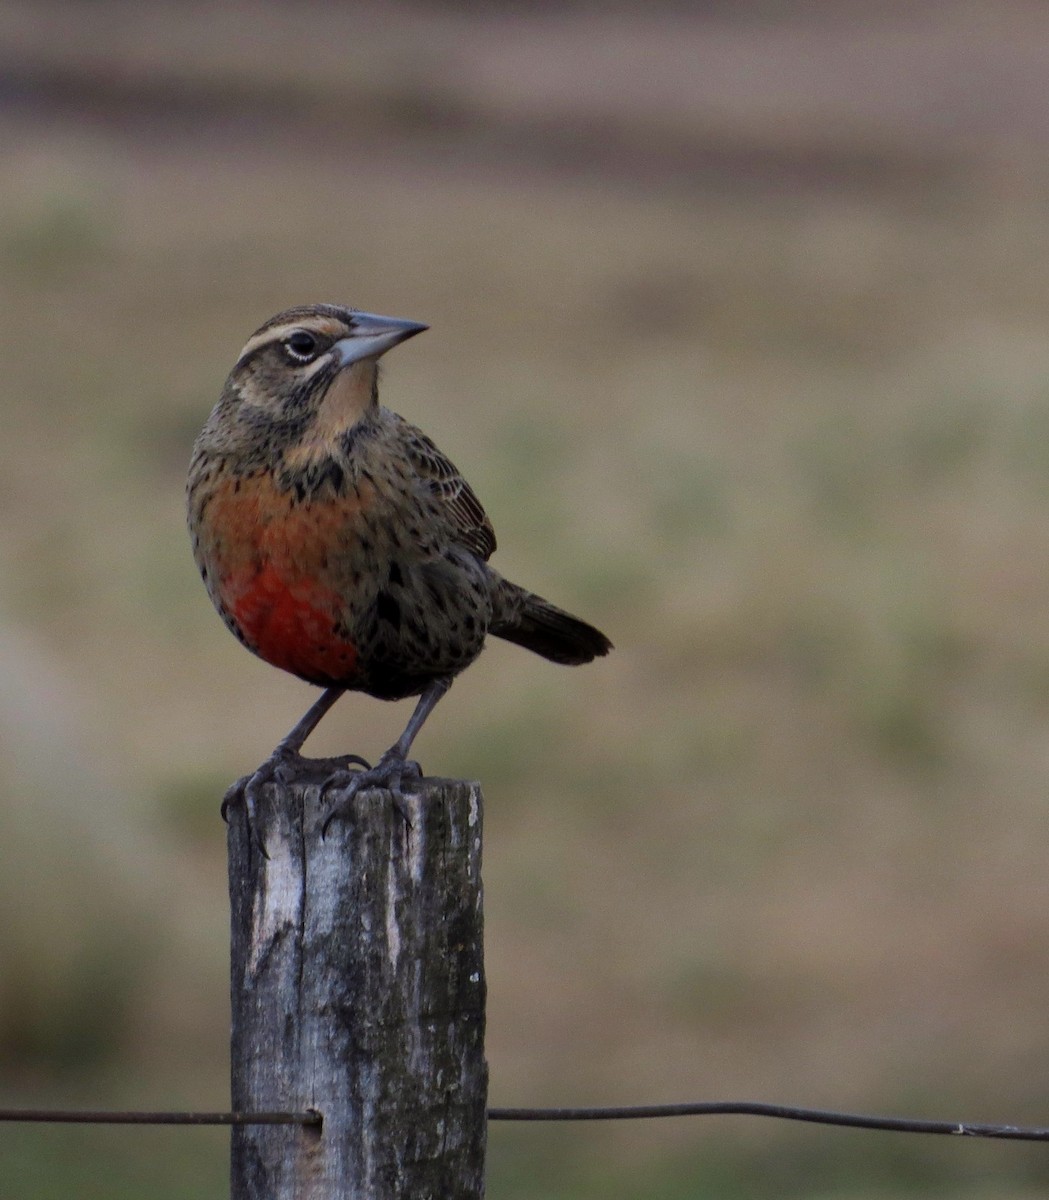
(358, 990)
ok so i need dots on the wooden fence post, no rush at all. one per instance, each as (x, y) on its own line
(358, 990)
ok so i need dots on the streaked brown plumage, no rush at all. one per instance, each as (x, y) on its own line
(338, 543)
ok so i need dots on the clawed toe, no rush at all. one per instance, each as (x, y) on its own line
(352, 775)
(348, 760)
(391, 773)
(234, 796)
(248, 791)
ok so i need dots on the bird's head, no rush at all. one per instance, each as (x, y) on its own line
(311, 370)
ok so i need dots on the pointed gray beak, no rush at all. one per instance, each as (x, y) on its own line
(372, 336)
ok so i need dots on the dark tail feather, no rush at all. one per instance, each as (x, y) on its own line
(548, 630)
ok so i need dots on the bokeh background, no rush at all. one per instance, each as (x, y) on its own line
(739, 329)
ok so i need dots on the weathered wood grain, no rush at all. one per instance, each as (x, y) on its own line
(358, 990)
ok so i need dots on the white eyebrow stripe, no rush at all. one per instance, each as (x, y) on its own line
(276, 333)
(273, 334)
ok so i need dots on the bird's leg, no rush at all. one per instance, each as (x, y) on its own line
(293, 743)
(394, 769)
(274, 769)
(427, 703)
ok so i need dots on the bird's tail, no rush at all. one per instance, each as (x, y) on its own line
(542, 627)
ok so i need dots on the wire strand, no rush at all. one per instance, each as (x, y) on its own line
(781, 1111)
(750, 1108)
(70, 1117)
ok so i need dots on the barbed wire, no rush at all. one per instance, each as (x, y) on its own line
(701, 1108)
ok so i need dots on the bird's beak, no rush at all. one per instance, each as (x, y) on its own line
(372, 336)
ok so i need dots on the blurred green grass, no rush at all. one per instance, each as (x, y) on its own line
(790, 449)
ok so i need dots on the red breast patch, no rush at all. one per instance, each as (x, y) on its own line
(290, 625)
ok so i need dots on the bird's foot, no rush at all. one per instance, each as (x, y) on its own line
(278, 768)
(392, 772)
(248, 789)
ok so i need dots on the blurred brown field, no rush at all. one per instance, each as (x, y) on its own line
(738, 327)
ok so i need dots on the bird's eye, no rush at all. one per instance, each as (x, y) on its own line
(301, 346)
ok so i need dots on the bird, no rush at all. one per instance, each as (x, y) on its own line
(338, 543)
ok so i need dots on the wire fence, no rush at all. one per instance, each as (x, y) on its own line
(252, 1036)
(633, 1112)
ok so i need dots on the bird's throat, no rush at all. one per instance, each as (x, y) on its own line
(349, 396)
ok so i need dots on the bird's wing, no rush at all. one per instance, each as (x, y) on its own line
(469, 521)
